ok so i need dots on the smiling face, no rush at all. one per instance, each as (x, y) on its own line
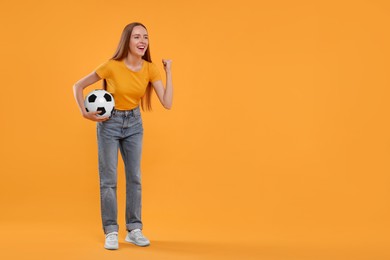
(138, 41)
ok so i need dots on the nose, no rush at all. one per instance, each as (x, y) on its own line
(144, 40)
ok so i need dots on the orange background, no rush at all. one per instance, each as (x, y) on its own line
(277, 146)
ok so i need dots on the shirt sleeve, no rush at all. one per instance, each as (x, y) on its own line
(103, 70)
(154, 73)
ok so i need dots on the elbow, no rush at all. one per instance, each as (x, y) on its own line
(167, 103)
(75, 87)
(167, 106)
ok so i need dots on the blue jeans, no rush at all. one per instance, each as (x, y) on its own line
(124, 132)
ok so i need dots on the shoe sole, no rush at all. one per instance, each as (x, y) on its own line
(111, 248)
(133, 242)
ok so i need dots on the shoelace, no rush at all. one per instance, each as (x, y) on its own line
(138, 235)
(112, 236)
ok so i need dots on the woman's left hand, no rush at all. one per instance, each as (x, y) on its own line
(167, 64)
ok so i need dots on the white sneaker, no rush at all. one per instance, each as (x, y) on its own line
(111, 242)
(137, 238)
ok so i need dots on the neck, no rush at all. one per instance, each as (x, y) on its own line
(133, 60)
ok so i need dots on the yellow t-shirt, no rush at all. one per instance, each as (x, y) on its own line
(127, 86)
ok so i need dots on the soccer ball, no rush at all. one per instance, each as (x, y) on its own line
(99, 100)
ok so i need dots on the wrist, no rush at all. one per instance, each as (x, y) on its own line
(84, 113)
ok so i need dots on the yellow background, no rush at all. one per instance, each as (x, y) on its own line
(277, 146)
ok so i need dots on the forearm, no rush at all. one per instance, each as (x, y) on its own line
(168, 93)
(79, 97)
(78, 89)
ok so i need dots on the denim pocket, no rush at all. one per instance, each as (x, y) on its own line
(135, 122)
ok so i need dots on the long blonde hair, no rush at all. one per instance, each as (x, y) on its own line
(122, 52)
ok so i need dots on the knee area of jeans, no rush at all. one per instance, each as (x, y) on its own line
(133, 180)
(110, 185)
(136, 186)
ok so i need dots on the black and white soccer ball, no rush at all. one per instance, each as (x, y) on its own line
(99, 100)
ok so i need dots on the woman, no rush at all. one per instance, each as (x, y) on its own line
(130, 76)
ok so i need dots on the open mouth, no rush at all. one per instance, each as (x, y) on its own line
(141, 48)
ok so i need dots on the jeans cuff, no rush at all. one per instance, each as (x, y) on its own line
(133, 226)
(111, 228)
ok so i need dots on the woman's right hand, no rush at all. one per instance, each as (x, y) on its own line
(93, 116)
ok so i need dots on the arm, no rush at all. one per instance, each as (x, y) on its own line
(165, 95)
(78, 95)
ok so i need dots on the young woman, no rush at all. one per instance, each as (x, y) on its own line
(130, 76)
